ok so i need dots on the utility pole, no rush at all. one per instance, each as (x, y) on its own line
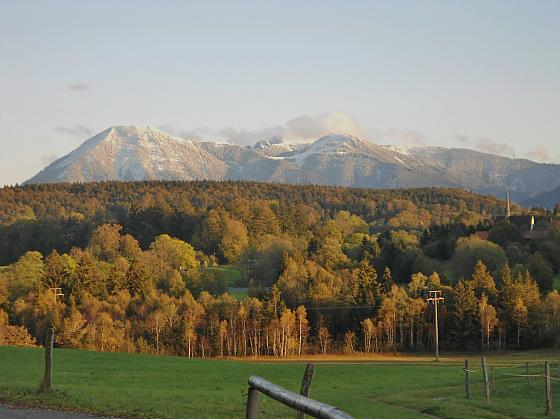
(251, 271)
(435, 297)
(57, 293)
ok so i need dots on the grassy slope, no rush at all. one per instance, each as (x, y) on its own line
(230, 272)
(556, 282)
(144, 385)
(232, 276)
(239, 295)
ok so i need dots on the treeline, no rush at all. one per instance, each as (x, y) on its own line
(113, 296)
(327, 269)
(62, 216)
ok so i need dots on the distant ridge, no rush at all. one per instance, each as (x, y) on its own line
(544, 200)
(129, 153)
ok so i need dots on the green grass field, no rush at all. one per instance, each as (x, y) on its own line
(233, 278)
(172, 387)
(445, 267)
(231, 274)
(238, 294)
(556, 282)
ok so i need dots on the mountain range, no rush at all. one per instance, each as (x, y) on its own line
(129, 153)
(544, 200)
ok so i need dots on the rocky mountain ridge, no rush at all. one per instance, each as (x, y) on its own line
(130, 153)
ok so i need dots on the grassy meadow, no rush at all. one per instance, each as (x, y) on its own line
(232, 277)
(173, 387)
(556, 282)
(231, 274)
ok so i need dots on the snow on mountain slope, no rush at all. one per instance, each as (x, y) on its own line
(277, 148)
(143, 153)
(133, 153)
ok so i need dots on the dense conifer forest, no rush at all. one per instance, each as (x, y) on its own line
(141, 267)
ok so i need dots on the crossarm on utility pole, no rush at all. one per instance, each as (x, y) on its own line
(435, 297)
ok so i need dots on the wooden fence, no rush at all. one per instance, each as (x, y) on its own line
(489, 380)
(295, 401)
(49, 342)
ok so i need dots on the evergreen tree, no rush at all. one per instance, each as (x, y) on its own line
(138, 279)
(386, 280)
(464, 319)
(367, 287)
(481, 281)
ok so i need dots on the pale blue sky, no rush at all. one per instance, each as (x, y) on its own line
(482, 74)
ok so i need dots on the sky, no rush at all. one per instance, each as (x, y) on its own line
(477, 74)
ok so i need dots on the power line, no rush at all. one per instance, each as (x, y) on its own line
(338, 308)
(57, 291)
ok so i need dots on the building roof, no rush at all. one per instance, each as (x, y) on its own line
(481, 234)
(524, 221)
(536, 235)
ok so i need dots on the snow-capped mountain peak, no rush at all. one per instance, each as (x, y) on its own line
(336, 144)
(132, 153)
(144, 153)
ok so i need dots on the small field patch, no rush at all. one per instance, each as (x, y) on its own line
(231, 274)
(556, 282)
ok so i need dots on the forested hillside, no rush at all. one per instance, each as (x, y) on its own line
(47, 217)
(326, 268)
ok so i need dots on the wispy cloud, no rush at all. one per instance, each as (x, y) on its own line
(406, 137)
(203, 133)
(78, 86)
(47, 159)
(463, 140)
(542, 154)
(493, 147)
(486, 145)
(307, 128)
(78, 131)
(300, 129)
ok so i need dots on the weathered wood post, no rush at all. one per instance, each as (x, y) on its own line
(252, 403)
(527, 370)
(493, 381)
(486, 383)
(292, 400)
(548, 389)
(306, 384)
(467, 383)
(49, 341)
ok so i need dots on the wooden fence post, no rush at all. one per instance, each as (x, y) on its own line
(47, 380)
(548, 389)
(528, 375)
(486, 383)
(493, 381)
(252, 403)
(467, 383)
(558, 371)
(306, 385)
(292, 400)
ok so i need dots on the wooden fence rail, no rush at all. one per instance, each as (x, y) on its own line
(288, 398)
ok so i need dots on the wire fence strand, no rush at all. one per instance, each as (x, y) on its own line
(527, 365)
